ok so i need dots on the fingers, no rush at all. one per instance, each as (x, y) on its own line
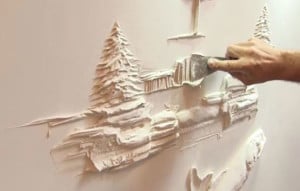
(241, 49)
(247, 43)
(237, 51)
(225, 65)
(234, 67)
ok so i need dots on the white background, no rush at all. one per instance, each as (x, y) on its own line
(49, 50)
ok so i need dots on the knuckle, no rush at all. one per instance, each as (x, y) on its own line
(230, 48)
(251, 43)
(231, 51)
(252, 51)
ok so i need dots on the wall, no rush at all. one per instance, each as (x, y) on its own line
(279, 104)
(49, 50)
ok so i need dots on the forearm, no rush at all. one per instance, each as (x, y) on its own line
(291, 71)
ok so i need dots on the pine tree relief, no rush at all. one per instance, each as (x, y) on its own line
(116, 84)
(262, 30)
(117, 74)
(117, 109)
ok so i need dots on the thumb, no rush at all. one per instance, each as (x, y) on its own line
(224, 65)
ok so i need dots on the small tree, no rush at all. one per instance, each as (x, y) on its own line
(262, 30)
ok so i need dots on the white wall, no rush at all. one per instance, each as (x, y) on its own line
(49, 50)
(279, 106)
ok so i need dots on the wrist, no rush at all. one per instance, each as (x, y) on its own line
(290, 61)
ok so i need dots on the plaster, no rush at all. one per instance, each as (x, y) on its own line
(66, 36)
(195, 24)
(237, 171)
(120, 128)
(262, 30)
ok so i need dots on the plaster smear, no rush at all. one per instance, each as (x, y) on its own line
(120, 128)
(234, 177)
(179, 75)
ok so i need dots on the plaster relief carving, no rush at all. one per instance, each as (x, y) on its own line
(207, 183)
(187, 36)
(117, 75)
(237, 101)
(262, 30)
(160, 80)
(116, 92)
(252, 152)
(234, 177)
(181, 74)
(121, 130)
(114, 148)
(195, 20)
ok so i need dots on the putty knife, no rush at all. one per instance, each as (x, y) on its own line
(199, 66)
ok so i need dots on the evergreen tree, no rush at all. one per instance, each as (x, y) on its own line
(117, 74)
(115, 92)
(262, 30)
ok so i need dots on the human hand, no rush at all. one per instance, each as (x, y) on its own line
(251, 62)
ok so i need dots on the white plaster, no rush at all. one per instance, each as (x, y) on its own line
(195, 24)
(158, 81)
(237, 101)
(241, 165)
(196, 115)
(155, 52)
(234, 177)
(187, 36)
(110, 147)
(121, 130)
(262, 30)
(181, 74)
(255, 148)
(206, 183)
(125, 133)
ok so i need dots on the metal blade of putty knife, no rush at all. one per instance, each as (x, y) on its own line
(199, 66)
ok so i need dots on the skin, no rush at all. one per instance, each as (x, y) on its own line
(255, 62)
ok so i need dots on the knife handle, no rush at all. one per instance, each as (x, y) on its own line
(223, 58)
(220, 58)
